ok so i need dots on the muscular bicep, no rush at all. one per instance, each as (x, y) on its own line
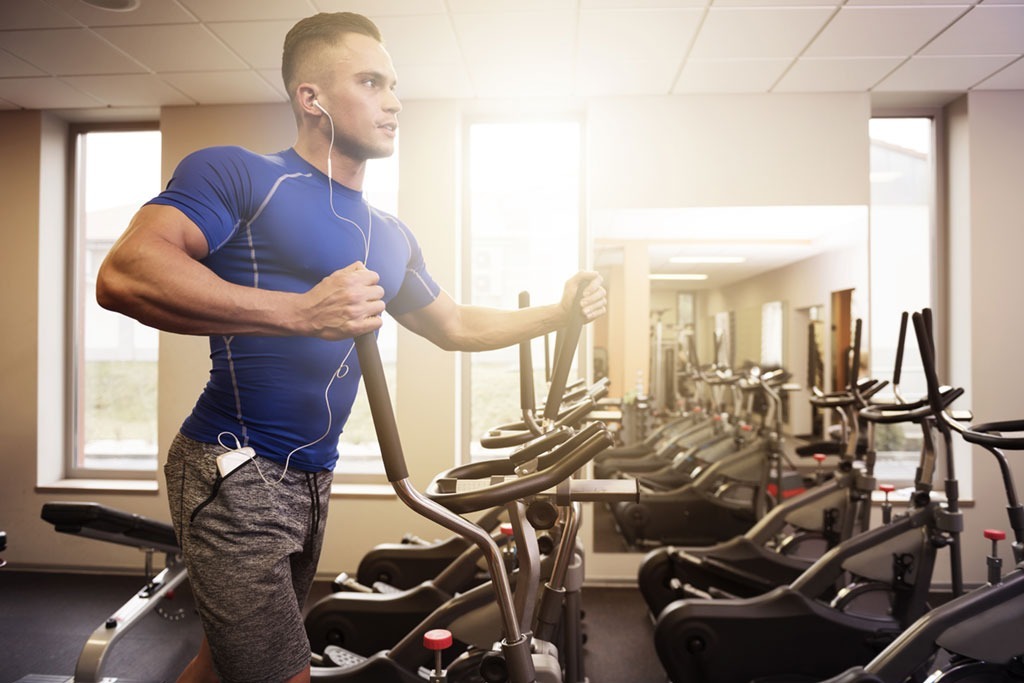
(161, 225)
(160, 246)
(436, 322)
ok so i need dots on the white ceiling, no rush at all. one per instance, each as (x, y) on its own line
(67, 55)
(92, 64)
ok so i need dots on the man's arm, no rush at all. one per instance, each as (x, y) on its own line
(455, 327)
(153, 274)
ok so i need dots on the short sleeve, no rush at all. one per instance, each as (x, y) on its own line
(214, 189)
(418, 287)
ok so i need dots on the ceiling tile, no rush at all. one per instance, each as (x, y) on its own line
(44, 93)
(641, 4)
(415, 40)
(517, 37)
(1002, 27)
(259, 43)
(273, 77)
(81, 52)
(511, 6)
(1010, 78)
(942, 73)
(638, 36)
(32, 14)
(176, 47)
(148, 12)
(12, 66)
(756, 32)
(597, 79)
(776, 3)
(419, 81)
(224, 87)
(142, 90)
(881, 31)
(839, 74)
(729, 75)
(251, 10)
(907, 3)
(501, 79)
(381, 8)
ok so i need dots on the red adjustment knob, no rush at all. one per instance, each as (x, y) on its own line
(995, 535)
(747, 428)
(506, 529)
(820, 457)
(716, 418)
(886, 488)
(437, 639)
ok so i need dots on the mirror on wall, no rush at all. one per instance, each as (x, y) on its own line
(726, 287)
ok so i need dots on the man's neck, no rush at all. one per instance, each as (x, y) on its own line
(343, 169)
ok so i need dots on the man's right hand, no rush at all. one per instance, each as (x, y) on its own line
(346, 303)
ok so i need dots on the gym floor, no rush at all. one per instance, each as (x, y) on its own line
(47, 617)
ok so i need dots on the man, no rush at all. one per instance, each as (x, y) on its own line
(281, 262)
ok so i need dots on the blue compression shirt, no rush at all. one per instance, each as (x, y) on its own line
(269, 223)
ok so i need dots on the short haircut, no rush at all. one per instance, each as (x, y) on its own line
(311, 35)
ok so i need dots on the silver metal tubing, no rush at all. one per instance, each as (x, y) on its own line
(453, 522)
(567, 548)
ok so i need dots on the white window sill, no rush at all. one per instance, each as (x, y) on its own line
(362, 491)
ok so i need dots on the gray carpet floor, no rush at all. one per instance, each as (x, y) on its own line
(46, 618)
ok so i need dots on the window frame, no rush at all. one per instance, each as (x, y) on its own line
(74, 316)
(464, 398)
(937, 254)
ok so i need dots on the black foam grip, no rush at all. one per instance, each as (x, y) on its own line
(380, 407)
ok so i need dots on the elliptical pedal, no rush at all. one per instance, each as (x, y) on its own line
(342, 658)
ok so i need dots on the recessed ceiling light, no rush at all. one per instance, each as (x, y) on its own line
(678, 276)
(113, 5)
(707, 259)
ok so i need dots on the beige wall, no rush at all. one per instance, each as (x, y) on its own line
(728, 150)
(987, 330)
(766, 150)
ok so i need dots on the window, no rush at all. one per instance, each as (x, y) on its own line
(771, 334)
(358, 449)
(902, 229)
(523, 235)
(112, 358)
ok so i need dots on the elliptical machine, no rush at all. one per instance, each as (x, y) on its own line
(516, 659)
(778, 548)
(724, 498)
(974, 637)
(808, 629)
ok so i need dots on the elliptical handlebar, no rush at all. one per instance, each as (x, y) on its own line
(560, 465)
(989, 434)
(565, 348)
(892, 413)
(380, 408)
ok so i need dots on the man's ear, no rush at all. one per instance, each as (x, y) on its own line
(306, 95)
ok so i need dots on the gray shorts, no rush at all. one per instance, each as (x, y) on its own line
(251, 549)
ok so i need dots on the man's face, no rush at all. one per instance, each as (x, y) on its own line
(360, 97)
